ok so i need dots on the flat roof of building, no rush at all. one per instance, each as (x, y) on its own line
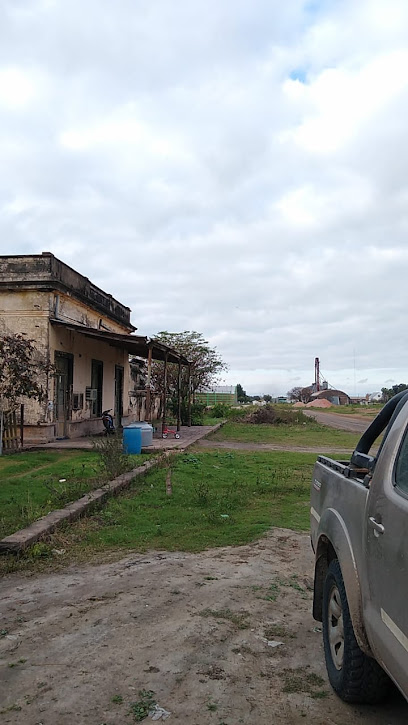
(46, 272)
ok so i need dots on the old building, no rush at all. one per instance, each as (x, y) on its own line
(87, 335)
(335, 397)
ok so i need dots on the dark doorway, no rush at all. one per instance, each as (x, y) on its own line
(97, 384)
(119, 371)
(64, 364)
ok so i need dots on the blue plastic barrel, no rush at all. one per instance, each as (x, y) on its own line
(132, 439)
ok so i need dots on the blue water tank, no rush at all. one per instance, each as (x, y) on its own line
(147, 432)
(132, 439)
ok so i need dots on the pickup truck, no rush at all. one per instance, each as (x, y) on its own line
(359, 533)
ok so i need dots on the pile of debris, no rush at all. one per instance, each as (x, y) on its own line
(273, 416)
(319, 403)
(316, 403)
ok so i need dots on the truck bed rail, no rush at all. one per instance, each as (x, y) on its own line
(347, 469)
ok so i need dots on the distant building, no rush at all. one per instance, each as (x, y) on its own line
(335, 397)
(359, 400)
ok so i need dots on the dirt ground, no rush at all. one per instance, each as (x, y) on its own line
(200, 630)
(353, 423)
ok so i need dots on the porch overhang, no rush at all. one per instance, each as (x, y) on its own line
(133, 344)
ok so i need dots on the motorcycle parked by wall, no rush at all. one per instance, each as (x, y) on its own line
(107, 420)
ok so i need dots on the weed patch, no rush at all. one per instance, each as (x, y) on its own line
(238, 619)
(112, 461)
(277, 630)
(271, 593)
(10, 708)
(143, 706)
(274, 416)
(300, 680)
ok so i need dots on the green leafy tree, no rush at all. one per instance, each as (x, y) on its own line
(267, 398)
(23, 370)
(242, 396)
(206, 366)
(388, 393)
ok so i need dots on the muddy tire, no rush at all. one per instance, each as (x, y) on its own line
(354, 676)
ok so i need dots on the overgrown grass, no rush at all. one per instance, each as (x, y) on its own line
(34, 483)
(305, 434)
(218, 499)
(209, 419)
(364, 410)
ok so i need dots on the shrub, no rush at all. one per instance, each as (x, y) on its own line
(112, 460)
(220, 410)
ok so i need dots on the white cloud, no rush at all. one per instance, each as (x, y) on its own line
(17, 88)
(124, 132)
(339, 102)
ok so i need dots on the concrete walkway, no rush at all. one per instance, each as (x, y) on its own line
(188, 436)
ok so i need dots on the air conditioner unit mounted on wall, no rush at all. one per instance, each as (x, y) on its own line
(91, 394)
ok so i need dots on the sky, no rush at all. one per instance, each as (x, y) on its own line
(234, 167)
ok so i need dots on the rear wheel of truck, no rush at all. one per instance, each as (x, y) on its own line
(354, 676)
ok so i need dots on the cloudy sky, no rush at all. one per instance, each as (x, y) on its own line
(236, 167)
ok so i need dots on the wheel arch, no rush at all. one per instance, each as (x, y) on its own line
(334, 543)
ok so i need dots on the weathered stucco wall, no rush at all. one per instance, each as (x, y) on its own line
(68, 309)
(29, 312)
(138, 408)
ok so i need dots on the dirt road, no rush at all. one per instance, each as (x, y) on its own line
(221, 637)
(337, 420)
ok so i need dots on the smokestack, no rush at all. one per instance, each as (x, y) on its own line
(317, 374)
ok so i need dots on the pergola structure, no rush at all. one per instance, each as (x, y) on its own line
(147, 348)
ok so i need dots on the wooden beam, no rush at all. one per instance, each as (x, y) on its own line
(189, 395)
(148, 385)
(164, 426)
(179, 396)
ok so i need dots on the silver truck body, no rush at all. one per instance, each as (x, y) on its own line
(360, 517)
